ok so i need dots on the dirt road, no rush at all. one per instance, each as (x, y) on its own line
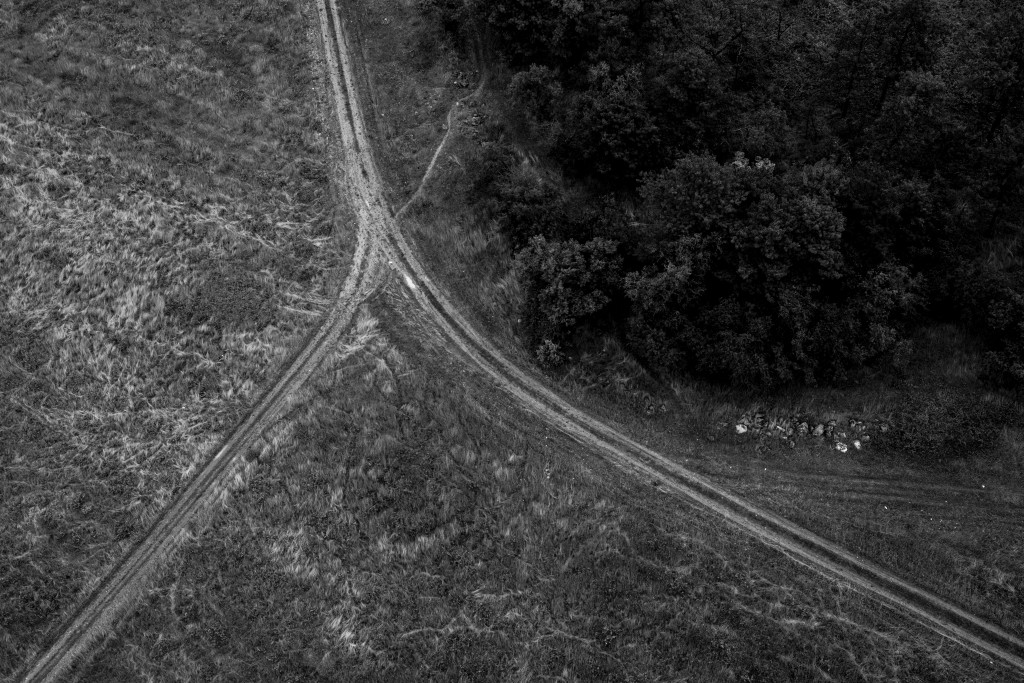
(803, 546)
(380, 242)
(119, 589)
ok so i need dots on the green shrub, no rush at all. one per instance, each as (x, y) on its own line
(452, 14)
(568, 284)
(537, 91)
(935, 428)
(608, 132)
(994, 303)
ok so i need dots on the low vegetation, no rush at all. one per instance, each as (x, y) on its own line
(525, 248)
(405, 525)
(167, 236)
(405, 522)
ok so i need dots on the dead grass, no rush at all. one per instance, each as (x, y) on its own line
(168, 233)
(410, 527)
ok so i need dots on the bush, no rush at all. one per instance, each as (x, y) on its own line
(453, 15)
(537, 91)
(524, 203)
(938, 427)
(994, 303)
(568, 284)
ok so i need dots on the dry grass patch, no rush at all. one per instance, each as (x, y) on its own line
(413, 79)
(408, 527)
(168, 235)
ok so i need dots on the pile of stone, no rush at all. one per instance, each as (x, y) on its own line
(464, 80)
(842, 434)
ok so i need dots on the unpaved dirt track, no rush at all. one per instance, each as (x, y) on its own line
(943, 617)
(379, 238)
(119, 588)
(129, 576)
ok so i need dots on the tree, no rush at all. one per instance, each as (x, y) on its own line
(745, 278)
(608, 133)
(886, 39)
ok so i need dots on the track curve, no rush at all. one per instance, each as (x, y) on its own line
(805, 547)
(379, 239)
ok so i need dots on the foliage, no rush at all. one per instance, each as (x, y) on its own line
(917, 104)
(608, 133)
(568, 284)
(537, 91)
(745, 279)
(994, 302)
(934, 428)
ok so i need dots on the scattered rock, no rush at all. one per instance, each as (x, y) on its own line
(791, 428)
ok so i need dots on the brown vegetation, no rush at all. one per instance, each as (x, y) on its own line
(168, 234)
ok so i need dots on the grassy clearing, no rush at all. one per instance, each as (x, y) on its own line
(414, 76)
(168, 234)
(399, 529)
(927, 429)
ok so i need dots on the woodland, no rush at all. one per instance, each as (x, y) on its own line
(761, 194)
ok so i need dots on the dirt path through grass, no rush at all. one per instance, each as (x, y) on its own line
(380, 238)
(118, 589)
(635, 459)
(92, 619)
(440, 148)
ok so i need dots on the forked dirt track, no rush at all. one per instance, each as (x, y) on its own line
(805, 547)
(379, 238)
(119, 588)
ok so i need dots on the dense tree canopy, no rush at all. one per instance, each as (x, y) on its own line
(895, 134)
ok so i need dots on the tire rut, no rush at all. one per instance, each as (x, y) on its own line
(803, 546)
(379, 237)
(122, 585)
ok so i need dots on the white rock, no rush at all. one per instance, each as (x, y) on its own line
(741, 429)
(841, 447)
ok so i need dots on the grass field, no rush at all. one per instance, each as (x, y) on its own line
(407, 524)
(948, 509)
(168, 233)
(414, 75)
